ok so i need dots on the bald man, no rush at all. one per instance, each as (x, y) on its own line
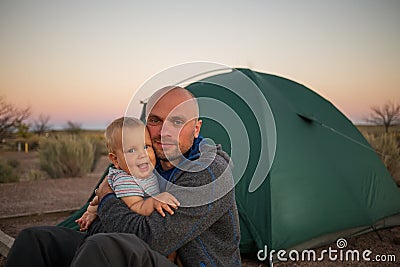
(204, 230)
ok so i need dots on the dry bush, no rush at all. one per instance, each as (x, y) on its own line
(100, 148)
(67, 156)
(387, 145)
(7, 173)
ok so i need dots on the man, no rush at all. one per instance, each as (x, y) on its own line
(204, 230)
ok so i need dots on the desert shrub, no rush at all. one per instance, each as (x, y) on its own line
(7, 174)
(67, 156)
(14, 163)
(34, 175)
(387, 147)
(99, 148)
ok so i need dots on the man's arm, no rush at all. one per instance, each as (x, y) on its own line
(170, 233)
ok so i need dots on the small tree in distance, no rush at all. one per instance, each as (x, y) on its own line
(387, 115)
(41, 125)
(11, 117)
(73, 127)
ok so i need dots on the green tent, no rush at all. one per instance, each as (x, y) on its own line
(310, 177)
(305, 175)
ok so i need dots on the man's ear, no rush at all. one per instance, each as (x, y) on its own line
(197, 128)
(113, 158)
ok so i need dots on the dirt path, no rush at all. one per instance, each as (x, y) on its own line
(45, 195)
(38, 198)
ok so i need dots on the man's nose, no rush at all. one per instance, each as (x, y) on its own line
(167, 129)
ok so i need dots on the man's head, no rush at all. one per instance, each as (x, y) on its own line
(173, 122)
(129, 146)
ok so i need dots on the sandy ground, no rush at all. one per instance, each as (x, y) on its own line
(39, 197)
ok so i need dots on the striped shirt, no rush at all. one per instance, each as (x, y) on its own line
(125, 185)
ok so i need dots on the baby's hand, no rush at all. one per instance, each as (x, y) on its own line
(165, 201)
(86, 220)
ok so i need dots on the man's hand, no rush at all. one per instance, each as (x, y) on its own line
(104, 189)
(95, 202)
(93, 205)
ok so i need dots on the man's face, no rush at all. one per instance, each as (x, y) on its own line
(173, 124)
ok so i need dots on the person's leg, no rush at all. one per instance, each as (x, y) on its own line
(44, 246)
(117, 250)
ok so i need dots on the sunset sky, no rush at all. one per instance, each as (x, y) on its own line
(83, 60)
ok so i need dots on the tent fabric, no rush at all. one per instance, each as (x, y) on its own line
(325, 181)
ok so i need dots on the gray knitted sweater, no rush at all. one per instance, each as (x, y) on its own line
(204, 230)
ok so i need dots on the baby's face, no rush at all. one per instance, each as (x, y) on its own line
(137, 155)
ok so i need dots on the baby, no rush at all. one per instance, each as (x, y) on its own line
(131, 178)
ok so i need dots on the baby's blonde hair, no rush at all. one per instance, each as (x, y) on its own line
(115, 127)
